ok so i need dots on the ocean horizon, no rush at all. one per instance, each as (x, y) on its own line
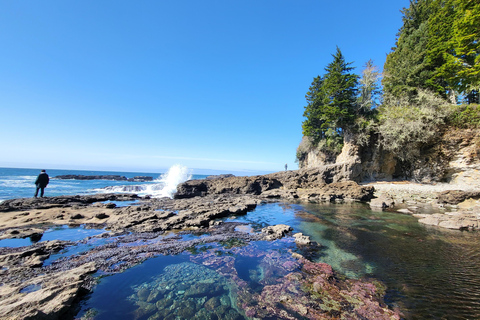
(20, 182)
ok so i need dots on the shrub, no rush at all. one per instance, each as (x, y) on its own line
(465, 116)
(406, 123)
(305, 146)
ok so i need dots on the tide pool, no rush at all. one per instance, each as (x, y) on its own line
(429, 273)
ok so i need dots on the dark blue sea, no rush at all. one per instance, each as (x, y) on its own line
(20, 183)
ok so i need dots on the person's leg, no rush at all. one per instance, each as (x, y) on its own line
(41, 192)
(36, 192)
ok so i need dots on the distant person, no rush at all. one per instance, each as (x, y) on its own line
(286, 167)
(41, 182)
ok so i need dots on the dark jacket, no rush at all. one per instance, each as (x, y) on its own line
(42, 180)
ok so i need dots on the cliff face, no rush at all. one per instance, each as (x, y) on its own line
(454, 158)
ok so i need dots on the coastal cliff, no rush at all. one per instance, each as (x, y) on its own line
(454, 158)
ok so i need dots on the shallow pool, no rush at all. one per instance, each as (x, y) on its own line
(430, 273)
(64, 232)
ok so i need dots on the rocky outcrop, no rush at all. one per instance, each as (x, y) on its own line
(454, 158)
(230, 185)
(457, 196)
(461, 220)
(58, 202)
(326, 184)
(46, 296)
(277, 231)
(103, 177)
(19, 215)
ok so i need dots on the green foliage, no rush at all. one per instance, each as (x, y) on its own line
(454, 47)
(367, 103)
(331, 104)
(406, 67)
(406, 123)
(465, 116)
(438, 49)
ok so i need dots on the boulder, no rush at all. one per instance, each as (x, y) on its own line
(302, 239)
(457, 196)
(277, 231)
(338, 191)
(382, 202)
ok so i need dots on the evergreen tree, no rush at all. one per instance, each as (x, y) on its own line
(331, 104)
(438, 49)
(406, 68)
(315, 122)
(454, 46)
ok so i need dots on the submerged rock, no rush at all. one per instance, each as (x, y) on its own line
(187, 290)
(276, 232)
(302, 239)
(294, 288)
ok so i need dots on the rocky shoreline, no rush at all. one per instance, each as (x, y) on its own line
(443, 205)
(32, 290)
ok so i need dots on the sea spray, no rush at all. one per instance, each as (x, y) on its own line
(171, 179)
(164, 186)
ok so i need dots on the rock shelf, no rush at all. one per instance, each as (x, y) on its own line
(34, 290)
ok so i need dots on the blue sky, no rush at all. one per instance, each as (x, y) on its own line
(144, 85)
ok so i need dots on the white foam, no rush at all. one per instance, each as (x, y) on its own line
(164, 186)
(170, 180)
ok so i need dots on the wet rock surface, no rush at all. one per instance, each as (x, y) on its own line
(33, 289)
(440, 205)
(315, 185)
(58, 202)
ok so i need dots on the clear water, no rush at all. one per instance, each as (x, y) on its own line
(430, 273)
(119, 204)
(55, 233)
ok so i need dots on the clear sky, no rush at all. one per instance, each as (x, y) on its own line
(143, 85)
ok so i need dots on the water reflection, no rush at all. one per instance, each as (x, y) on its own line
(63, 232)
(430, 273)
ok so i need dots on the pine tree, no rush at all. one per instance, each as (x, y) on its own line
(454, 46)
(438, 49)
(331, 104)
(406, 68)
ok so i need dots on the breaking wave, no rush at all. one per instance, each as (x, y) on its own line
(164, 186)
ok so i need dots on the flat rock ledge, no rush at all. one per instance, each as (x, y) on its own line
(313, 185)
(446, 206)
(33, 290)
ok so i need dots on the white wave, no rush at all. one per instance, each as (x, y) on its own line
(17, 183)
(164, 186)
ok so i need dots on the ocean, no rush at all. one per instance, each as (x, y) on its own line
(20, 182)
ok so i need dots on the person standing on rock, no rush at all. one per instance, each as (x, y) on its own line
(41, 182)
(286, 166)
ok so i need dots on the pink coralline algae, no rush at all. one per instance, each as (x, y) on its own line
(293, 287)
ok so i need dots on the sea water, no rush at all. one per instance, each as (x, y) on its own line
(430, 273)
(20, 183)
